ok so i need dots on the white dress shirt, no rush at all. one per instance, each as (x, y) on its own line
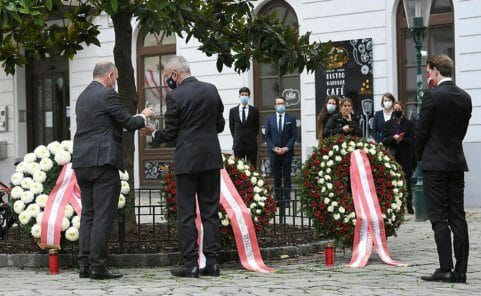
(240, 111)
(282, 119)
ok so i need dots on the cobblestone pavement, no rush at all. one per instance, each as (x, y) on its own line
(294, 276)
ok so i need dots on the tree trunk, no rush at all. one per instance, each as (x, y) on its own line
(128, 96)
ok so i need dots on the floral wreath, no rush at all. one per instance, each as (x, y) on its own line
(33, 181)
(254, 191)
(326, 189)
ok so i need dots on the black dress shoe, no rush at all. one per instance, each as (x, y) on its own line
(84, 272)
(459, 277)
(186, 271)
(211, 270)
(439, 276)
(104, 274)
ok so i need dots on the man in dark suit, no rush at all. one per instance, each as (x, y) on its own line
(97, 159)
(281, 135)
(441, 128)
(244, 127)
(193, 118)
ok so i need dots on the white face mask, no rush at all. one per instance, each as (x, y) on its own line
(387, 104)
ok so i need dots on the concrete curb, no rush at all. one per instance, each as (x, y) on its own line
(156, 259)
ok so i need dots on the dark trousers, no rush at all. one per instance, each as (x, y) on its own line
(206, 185)
(281, 169)
(444, 198)
(408, 176)
(100, 190)
(250, 155)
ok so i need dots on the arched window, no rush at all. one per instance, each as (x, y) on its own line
(438, 38)
(152, 52)
(268, 84)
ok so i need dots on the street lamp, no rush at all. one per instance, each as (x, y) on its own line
(417, 16)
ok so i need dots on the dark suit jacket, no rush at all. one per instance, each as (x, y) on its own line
(336, 122)
(441, 128)
(244, 133)
(100, 119)
(402, 151)
(193, 118)
(378, 127)
(285, 139)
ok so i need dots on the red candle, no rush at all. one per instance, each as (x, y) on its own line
(53, 261)
(329, 254)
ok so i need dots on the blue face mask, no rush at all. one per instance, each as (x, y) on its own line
(281, 108)
(244, 100)
(171, 82)
(331, 108)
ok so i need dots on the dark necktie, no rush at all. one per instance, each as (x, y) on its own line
(280, 123)
(243, 114)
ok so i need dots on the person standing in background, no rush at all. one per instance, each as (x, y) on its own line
(330, 108)
(382, 116)
(442, 125)
(244, 128)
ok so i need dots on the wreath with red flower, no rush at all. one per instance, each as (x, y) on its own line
(325, 187)
(254, 191)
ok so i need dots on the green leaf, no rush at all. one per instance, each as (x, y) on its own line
(114, 4)
(49, 5)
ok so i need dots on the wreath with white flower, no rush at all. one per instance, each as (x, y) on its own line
(326, 188)
(254, 191)
(33, 181)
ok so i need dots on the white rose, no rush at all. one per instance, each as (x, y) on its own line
(262, 204)
(63, 157)
(24, 217)
(220, 215)
(230, 161)
(352, 215)
(343, 152)
(334, 203)
(336, 216)
(36, 231)
(327, 200)
(72, 234)
(331, 194)
(325, 157)
(372, 151)
(39, 176)
(335, 148)
(323, 164)
(327, 177)
(125, 187)
(338, 158)
(41, 152)
(65, 223)
(260, 183)
(395, 190)
(36, 188)
(320, 173)
(393, 206)
(121, 202)
(329, 186)
(247, 172)
(76, 222)
(360, 145)
(27, 197)
(331, 153)
(257, 197)
(352, 144)
(225, 222)
(18, 206)
(29, 157)
(16, 178)
(240, 166)
(400, 183)
(386, 164)
(330, 209)
(383, 216)
(323, 189)
(256, 174)
(246, 167)
(21, 167)
(321, 181)
(254, 180)
(386, 158)
(393, 218)
(54, 147)
(46, 164)
(257, 189)
(346, 219)
(342, 210)
(67, 144)
(258, 211)
(344, 145)
(41, 200)
(26, 183)
(350, 149)
(32, 167)
(256, 219)
(33, 210)
(68, 211)
(253, 205)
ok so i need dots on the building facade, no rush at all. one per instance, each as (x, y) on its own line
(40, 98)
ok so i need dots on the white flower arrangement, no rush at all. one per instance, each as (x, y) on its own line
(28, 188)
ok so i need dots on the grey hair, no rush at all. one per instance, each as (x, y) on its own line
(103, 67)
(178, 63)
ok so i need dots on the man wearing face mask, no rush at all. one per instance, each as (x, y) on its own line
(97, 159)
(244, 127)
(398, 138)
(281, 135)
(442, 125)
(193, 119)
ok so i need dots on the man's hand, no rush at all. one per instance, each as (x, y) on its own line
(283, 150)
(147, 112)
(277, 150)
(147, 130)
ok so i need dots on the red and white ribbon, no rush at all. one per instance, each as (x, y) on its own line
(242, 226)
(65, 191)
(369, 221)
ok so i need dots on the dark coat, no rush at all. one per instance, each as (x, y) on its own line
(244, 133)
(337, 121)
(100, 120)
(378, 126)
(441, 128)
(287, 138)
(402, 151)
(193, 118)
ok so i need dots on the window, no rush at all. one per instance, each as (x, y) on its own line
(438, 38)
(268, 84)
(153, 50)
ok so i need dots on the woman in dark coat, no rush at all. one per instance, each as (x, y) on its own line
(330, 108)
(398, 137)
(382, 116)
(345, 122)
